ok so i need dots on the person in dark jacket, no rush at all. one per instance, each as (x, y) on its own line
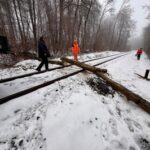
(43, 54)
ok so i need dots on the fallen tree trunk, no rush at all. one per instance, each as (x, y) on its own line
(84, 66)
(56, 62)
(144, 104)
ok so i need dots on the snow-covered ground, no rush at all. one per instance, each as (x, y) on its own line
(70, 115)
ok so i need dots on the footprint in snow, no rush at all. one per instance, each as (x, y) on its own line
(129, 124)
(110, 112)
(133, 125)
(137, 125)
(104, 131)
(117, 145)
(113, 125)
(132, 85)
(132, 148)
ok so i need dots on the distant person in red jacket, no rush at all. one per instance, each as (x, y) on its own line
(139, 53)
(75, 49)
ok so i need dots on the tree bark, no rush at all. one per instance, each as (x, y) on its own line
(85, 25)
(56, 62)
(33, 18)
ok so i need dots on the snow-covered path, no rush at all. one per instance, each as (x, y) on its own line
(125, 71)
(69, 115)
(88, 121)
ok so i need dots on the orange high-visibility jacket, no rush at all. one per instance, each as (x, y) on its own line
(75, 48)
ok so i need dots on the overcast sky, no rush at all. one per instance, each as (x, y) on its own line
(139, 14)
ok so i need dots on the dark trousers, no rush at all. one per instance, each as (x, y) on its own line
(44, 61)
(138, 56)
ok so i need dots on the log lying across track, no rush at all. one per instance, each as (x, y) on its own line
(83, 65)
(56, 62)
(144, 104)
(29, 90)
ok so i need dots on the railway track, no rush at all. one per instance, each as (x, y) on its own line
(29, 90)
(36, 73)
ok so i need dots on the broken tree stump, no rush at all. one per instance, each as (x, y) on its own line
(141, 102)
(143, 77)
(146, 74)
(83, 65)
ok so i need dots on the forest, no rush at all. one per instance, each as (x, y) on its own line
(146, 34)
(96, 24)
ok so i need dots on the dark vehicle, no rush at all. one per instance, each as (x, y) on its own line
(4, 48)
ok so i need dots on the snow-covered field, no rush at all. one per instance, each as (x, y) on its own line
(70, 115)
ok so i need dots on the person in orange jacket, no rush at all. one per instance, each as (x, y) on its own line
(139, 53)
(75, 49)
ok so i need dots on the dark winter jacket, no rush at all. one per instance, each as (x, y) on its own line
(43, 50)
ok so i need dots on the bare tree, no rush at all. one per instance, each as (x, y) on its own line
(124, 27)
(61, 21)
(146, 33)
(107, 8)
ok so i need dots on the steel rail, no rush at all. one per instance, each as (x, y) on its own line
(34, 73)
(29, 90)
